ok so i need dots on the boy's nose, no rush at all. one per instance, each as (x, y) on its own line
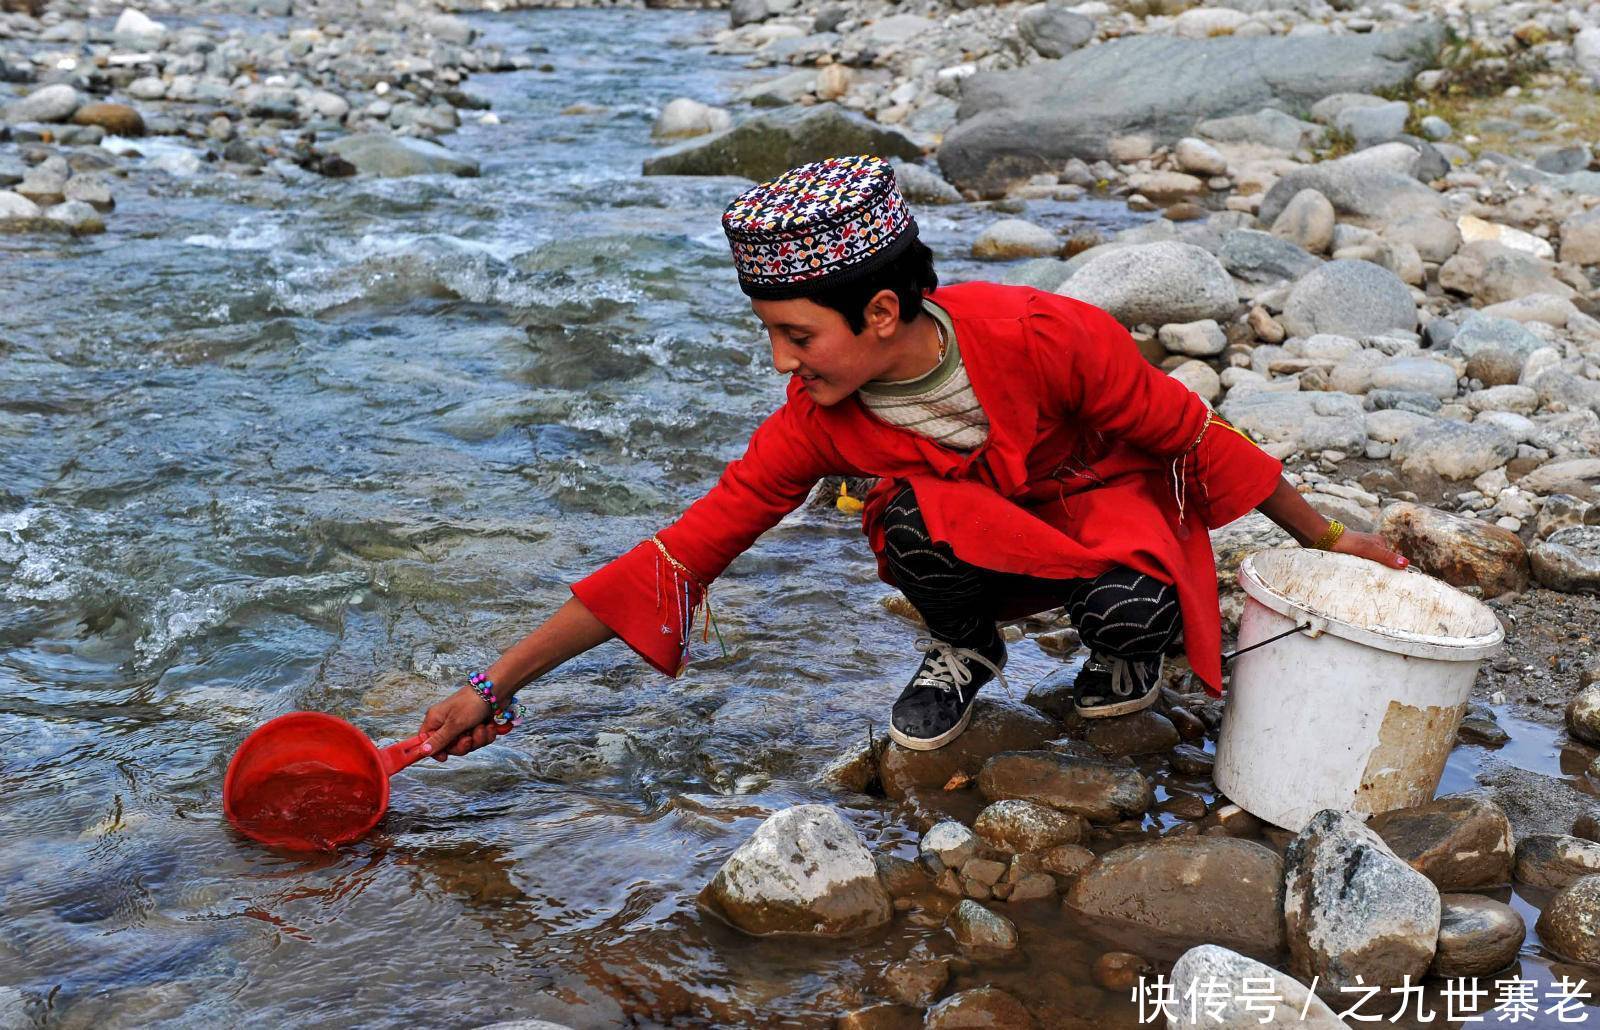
(784, 361)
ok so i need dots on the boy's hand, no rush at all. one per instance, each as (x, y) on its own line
(457, 725)
(1370, 545)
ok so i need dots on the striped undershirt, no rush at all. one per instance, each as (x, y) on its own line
(940, 405)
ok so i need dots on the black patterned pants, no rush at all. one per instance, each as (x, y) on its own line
(1120, 613)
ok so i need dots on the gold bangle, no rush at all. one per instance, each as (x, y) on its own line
(1330, 536)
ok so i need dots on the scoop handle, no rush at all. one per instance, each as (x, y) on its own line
(404, 753)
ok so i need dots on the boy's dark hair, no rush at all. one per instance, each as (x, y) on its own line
(910, 276)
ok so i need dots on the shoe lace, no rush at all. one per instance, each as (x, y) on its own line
(1125, 680)
(946, 668)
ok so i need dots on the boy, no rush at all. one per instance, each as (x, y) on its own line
(1028, 458)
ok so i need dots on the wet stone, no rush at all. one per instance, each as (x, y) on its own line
(979, 1007)
(1555, 860)
(1024, 826)
(916, 981)
(974, 926)
(1587, 825)
(1184, 806)
(1068, 860)
(1191, 761)
(880, 1017)
(1481, 727)
(1235, 821)
(1118, 971)
(804, 870)
(1234, 1009)
(1569, 560)
(1570, 923)
(902, 878)
(996, 727)
(948, 845)
(1097, 791)
(1459, 843)
(1353, 908)
(1034, 887)
(973, 888)
(984, 870)
(1189, 725)
(1190, 888)
(1478, 936)
(1141, 733)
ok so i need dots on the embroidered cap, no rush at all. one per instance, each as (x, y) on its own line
(819, 225)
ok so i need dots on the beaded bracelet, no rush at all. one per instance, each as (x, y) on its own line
(1330, 536)
(484, 687)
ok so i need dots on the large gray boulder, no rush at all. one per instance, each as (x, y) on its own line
(804, 870)
(1349, 298)
(1352, 908)
(1317, 421)
(1156, 283)
(1494, 273)
(770, 144)
(1013, 124)
(394, 157)
(1370, 186)
(1454, 450)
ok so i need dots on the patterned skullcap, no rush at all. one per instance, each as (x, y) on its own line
(819, 225)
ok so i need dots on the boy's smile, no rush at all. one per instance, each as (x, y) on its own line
(814, 343)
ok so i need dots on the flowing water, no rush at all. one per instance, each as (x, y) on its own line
(332, 445)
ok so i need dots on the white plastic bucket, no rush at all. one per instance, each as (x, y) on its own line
(1359, 710)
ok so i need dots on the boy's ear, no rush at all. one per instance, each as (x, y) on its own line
(883, 312)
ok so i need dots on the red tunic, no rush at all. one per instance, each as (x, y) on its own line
(1094, 459)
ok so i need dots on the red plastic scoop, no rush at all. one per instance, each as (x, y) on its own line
(307, 781)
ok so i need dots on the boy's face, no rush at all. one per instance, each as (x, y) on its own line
(816, 345)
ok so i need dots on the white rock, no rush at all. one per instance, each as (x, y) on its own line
(15, 205)
(1201, 378)
(1200, 339)
(136, 31)
(1199, 157)
(1014, 238)
(1222, 989)
(1156, 283)
(1475, 230)
(1205, 22)
(1520, 399)
(685, 117)
(948, 845)
(804, 870)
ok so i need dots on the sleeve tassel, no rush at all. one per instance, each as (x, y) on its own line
(680, 599)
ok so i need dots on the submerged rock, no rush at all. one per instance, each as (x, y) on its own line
(1458, 843)
(1477, 936)
(1354, 908)
(400, 156)
(1024, 826)
(979, 1007)
(1461, 551)
(974, 926)
(804, 870)
(916, 981)
(768, 145)
(1097, 791)
(1215, 979)
(1214, 889)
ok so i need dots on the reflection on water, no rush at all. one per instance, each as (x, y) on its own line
(331, 445)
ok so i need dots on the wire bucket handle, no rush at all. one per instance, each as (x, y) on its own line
(1310, 625)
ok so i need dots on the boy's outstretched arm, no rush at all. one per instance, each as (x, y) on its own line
(460, 723)
(1297, 518)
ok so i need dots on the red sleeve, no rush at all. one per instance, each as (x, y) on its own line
(1096, 375)
(650, 596)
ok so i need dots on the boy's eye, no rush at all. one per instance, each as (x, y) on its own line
(799, 341)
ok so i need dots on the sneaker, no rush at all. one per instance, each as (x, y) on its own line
(937, 704)
(1115, 686)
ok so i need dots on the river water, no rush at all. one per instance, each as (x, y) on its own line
(273, 445)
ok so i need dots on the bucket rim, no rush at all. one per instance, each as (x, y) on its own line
(1394, 641)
